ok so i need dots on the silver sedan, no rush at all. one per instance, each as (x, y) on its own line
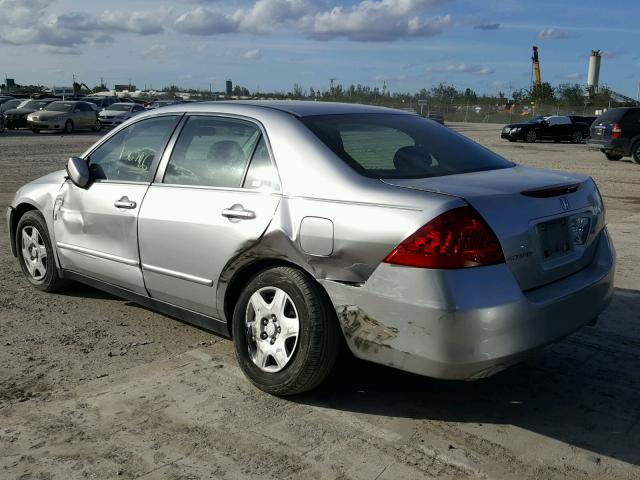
(296, 227)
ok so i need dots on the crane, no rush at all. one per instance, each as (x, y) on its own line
(536, 68)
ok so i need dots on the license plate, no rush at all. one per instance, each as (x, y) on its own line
(555, 238)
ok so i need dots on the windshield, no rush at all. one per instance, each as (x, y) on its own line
(613, 115)
(120, 107)
(35, 104)
(401, 146)
(59, 107)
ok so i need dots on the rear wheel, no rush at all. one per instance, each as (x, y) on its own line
(577, 137)
(612, 156)
(635, 152)
(36, 253)
(68, 127)
(98, 126)
(285, 333)
(530, 136)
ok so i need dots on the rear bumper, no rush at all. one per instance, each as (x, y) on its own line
(619, 146)
(470, 323)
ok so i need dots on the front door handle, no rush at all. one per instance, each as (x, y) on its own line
(238, 211)
(124, 202)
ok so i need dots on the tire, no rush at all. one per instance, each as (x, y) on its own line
(307, 358)
(42, 272)
(97, 127)
(68, 127)
(612, 156)
(577, 137)
(35, 130)
(530, 136)
(512, 140)
(635, 152)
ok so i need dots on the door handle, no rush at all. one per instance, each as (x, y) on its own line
(124, 202)
(238, 211)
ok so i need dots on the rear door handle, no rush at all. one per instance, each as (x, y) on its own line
(124, 202)
(238, 211)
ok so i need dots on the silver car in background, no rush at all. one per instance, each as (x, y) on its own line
(294, 226)
(118, 113)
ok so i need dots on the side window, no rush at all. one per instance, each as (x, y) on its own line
(212, 152)
(262, 173)
(129, 155)
(632, 116)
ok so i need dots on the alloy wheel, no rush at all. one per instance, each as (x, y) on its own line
(531, 136)
(576, 137)
(272, 326)
(34, 252)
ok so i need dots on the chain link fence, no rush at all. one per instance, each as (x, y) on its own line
(496, 114)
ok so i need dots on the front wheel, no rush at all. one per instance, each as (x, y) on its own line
(530, 136)
(68, 127)
(285, 332)
(98, 126)
(35, 252)
(576, 137)
(35, 130)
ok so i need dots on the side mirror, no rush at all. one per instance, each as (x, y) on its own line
(78, 171)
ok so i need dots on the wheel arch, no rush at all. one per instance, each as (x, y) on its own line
(15, 215)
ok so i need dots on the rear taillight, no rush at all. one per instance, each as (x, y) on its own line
(456, 239)
(616, 131)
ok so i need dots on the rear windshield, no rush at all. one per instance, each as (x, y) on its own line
(401, 146)
(612, 115)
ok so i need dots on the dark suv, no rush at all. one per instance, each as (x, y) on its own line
(617, 133)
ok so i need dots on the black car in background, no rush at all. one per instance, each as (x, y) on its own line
(554, 127)
(17, 117)
(616, 133)
(588, 119)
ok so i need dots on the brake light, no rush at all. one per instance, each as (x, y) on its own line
(458, 238)
(616, 131)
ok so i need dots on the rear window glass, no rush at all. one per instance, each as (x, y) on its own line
(401, 146)
(612, 115)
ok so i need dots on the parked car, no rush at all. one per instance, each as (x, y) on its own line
(117, 113)
(66, 116)
(17, 117)
(287, 225)
(616, 133)
(10, 104)
(587, 119)
(101, 102)
(555, 127)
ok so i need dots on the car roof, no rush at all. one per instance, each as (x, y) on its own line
(298, 108)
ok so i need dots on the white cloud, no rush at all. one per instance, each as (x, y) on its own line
(253, 54)
(554, 34)
(372, 20)
(369, 20)
(158, 50)
(461, 68)
(574, 76)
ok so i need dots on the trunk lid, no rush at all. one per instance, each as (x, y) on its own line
(547, 222)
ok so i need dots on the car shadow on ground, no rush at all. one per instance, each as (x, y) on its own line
(583, 391)
(85, 291)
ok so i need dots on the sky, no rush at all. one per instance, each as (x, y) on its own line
(268, 45)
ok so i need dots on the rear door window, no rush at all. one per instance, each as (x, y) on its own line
(212, 152)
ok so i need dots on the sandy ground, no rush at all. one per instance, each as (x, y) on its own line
(92, 386)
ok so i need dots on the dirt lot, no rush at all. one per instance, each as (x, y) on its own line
(95, 387)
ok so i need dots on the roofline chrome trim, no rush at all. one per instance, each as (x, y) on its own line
(97, 254)
(182, 276)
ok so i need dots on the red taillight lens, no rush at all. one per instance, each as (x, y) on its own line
(456, 239)
(616, 131)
